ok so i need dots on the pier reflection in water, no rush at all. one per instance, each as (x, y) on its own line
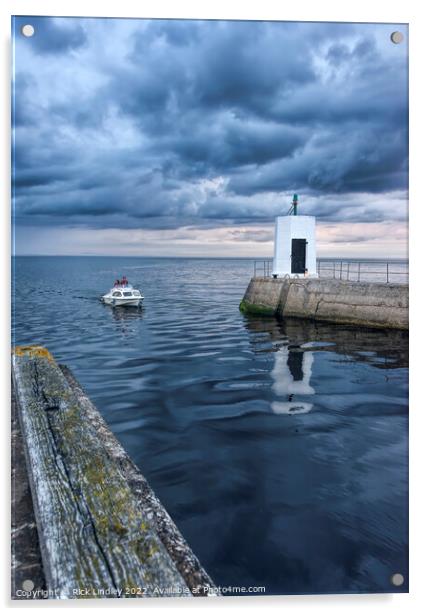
(279, 449)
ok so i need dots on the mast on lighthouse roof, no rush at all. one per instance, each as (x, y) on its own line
(294, 203)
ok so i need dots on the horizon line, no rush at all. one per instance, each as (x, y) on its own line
(252, 258)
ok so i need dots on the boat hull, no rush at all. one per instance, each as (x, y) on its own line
(122, 301)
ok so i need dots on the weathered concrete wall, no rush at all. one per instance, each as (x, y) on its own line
(262, 296)
(358, 303)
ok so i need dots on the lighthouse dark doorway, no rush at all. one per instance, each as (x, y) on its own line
(298, 256)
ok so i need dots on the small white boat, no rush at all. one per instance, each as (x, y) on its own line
(123, 294)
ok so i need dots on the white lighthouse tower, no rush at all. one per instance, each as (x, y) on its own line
(295, 253)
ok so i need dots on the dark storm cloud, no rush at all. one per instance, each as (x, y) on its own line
(233, 143)
(373, 159)
(203, 123)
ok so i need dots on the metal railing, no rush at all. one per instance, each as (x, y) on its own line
(364, 271)
(263, 268)
(354, 271)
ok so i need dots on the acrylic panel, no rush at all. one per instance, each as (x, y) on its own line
(210, 308)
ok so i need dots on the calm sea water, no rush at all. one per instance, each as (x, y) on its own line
(279, 449)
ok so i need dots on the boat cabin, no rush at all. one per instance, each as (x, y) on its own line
(125, 293)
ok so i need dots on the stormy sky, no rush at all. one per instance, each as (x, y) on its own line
(169, 137)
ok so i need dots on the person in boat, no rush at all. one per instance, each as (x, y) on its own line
(124, 281)
(117, 283)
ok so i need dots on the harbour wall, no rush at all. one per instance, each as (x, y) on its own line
(367, 304)
(85, 522)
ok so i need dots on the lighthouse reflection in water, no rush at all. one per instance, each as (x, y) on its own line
(291, 376)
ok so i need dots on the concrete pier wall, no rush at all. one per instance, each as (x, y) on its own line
(359, 303)
(262, 296)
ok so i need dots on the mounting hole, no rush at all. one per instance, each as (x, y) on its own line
(397, 579)
(28, 585)
(397, 37)
(28, 30)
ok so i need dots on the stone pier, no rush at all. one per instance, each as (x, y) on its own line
(366, 304)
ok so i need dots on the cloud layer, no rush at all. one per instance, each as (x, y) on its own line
(162, 125)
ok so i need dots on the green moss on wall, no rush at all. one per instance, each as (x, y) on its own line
(258, 309)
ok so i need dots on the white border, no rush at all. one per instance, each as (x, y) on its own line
(404, 11)
(326, 10)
